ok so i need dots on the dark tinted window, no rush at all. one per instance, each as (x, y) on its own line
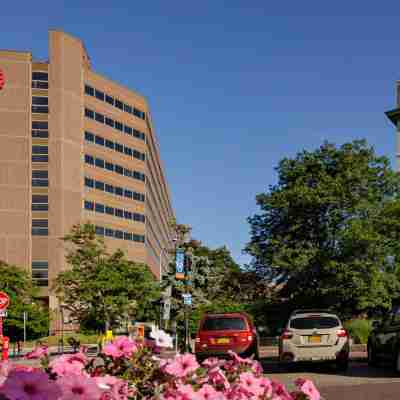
(40, 158)
(89, 182)
(119, 147)
(119, 234)
(109, 166)
(89, 205)
(99, 118)
(119, 213)
(110, 144)
(119, 169)
(99, 140)
(127, 108)
(99, 208)
(40, 207)
(110, 122)
(89, 90)
(119, 126)
(40, 125)
(100, 230)
(224, 324)
(40, 76)
(109, 232)
(99, 163)
(99, 95)
(40, 134)
(119, 104)
(89, 159)
(38, 198)
(89, 136)
(40, 85)
(40, 149)
(40, 101)
(40, 223)
(314, 323)
(109, 188)
(109, 100)
(40, 182)
(99, 185)
(109, 210)
(128, 130)
(40, 174)
(89, 113)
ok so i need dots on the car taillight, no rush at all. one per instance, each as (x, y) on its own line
(286, 335)
(341, 333)
(197, 340)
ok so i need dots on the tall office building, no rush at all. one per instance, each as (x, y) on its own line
(394, 116)
(74, 147)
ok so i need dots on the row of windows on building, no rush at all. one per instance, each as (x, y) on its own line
(40, 178)
(98, 94)
(100, 163)
(118, 234)
(40, 129)
(40, 202)
(40, 227)
(91, 137)
(119, 126)
(113, 211)
(115, 190)
(40, 153)
(40, 80)
(40, 272)
(40, 104)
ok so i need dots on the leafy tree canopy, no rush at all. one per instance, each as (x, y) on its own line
(104, 287)
(23, 293)
(328, 232)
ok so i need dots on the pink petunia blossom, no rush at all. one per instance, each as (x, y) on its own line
(120, 347)
(212, 362)
(38, 352)
(115, 388)
(217, 377)
(238, 359)
(265, 383)
(279, 391)
(182, 365)
(68, 364)
(207, 392)
(251, 384)
(78, 387)
(29, 385)
(308, 388)
(185, 392)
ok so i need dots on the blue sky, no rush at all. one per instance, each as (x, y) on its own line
(234, 86)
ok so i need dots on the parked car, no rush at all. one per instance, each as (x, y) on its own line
(384, 340)
(219, 333)
(314, 336)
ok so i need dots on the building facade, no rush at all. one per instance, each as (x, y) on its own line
(76, 147)
(394, 116)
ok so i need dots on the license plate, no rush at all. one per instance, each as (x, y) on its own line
(314, 339)
(222, 341)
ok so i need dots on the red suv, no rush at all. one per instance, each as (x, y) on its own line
(219, 333)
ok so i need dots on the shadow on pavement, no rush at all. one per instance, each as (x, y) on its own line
(357, 369)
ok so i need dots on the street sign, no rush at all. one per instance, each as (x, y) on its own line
(4, 301)
(167, 310)
(3, 313)
(187, 299)
(180, 264)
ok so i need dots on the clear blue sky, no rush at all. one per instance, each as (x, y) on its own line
(234, 85)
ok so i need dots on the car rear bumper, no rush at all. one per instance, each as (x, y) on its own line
(292, 353)
(223, 353)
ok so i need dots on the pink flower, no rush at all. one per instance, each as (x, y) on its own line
(115, 388)
(78, 387)
(38, 352)
(68, 364)
(207, 392)
(217, 377)
(251, 384)
(308, 388)
(185, 392)
(239, 360)
(120, 347)
(265, 383)
(33, 385)
(280, 392)
(212, 362)
(182, 365)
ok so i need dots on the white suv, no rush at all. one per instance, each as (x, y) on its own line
(316, 336)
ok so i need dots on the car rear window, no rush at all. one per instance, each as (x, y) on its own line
(224, 324)
(314, 323)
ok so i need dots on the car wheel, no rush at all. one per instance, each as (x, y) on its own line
(342, 365)
(372, 360)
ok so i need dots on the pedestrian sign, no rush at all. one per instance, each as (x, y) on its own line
(187, 299)
(180, 264)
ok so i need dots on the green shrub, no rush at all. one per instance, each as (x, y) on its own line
(359, 330)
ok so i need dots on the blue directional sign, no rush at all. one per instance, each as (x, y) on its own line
(180, 264)
(187, 299)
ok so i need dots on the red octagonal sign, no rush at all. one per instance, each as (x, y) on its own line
(4, 301)
(2, 79)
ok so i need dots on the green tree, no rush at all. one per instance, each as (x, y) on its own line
(24, 297)
(325, 235)
(103, 287)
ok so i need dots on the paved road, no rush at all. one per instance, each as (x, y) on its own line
(359, 382)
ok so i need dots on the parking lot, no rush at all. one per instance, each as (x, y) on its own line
(359, 382)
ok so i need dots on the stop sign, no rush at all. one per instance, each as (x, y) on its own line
(2, 79)
(4, 301)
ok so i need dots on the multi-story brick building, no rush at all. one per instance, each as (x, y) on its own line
(74, 147)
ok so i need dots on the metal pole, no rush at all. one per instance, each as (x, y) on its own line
(1, 327)
(25, 319)
(62, 330)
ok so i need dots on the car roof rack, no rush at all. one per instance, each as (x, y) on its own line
(311, 311)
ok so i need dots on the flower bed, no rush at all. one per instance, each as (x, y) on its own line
(127, 369)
